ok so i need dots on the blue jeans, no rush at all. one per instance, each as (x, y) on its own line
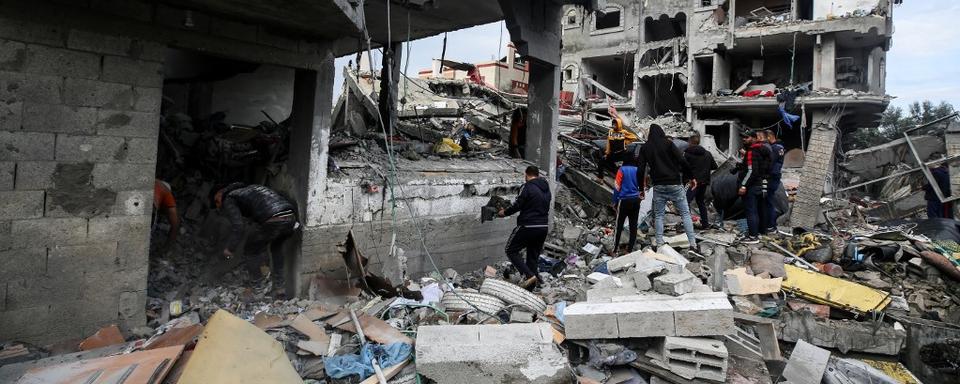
(754, 205)
(676, 194)
(771, 220)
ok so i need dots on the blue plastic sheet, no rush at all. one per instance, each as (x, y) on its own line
(361, 364)
(788, 118)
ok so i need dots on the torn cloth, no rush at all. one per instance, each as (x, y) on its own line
(788, 118)
(342, 366)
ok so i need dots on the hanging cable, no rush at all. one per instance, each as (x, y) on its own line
(443, 54)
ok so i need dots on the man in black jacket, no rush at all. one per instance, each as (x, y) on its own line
(533, 203)
(754, 172)
(701, 164)
(273, 215)
(668, 170)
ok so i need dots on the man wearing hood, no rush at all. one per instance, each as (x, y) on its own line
(533, 203)
(668, 170)
(701, 164)
(273, 215)
(615, 150)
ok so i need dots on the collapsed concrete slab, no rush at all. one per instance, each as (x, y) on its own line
(693, 314)
(467, 354)
(844, 336)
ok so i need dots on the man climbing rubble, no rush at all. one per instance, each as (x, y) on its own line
(753, 173)
(668, 170)
(533, 203)
(273, 216)
(618, 138)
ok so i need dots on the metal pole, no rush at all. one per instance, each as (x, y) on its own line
(363, 341)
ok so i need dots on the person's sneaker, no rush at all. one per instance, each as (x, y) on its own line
(750, 240)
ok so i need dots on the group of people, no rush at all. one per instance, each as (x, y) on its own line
(675, 175)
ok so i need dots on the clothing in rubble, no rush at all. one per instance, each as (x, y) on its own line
(626, 197)
(668, 170)
(701, 165)
(777, 152)
(533, 204)
(754, 172)
(935, 208)
(273, 217)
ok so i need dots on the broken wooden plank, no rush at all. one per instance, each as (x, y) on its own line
(374, 328)
(303, 325)
(137, 367)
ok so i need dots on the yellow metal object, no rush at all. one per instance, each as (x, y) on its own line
(839, 293)
(895, 370)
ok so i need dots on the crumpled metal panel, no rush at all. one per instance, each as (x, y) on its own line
(838, 293)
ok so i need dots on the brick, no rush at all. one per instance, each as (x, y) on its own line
(132, 203)
(93, 93)
(131, 71)
(13, 55)
(21, 204)
(22, 263)
(234, 30)
(58, 118)
(147, 99)
(140, 150)
(11, 116)
(128, 124)
(90, 148)
(15, 86)
(123, 176)
(675, 284)
(7, 174)
(115, 228)
(694, 314)
(17, 146)
(27, 31)
(25, 293)
(61, 62)
(48, 231)
(98, 43)
(35, 174)
(78, 259)
(692, 358)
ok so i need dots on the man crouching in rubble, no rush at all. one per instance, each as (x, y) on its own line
(533, 203)
(274, 217)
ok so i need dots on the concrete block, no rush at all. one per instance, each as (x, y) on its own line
(591, 321)
(521, 316)
(131, 71)
(640, 319)
(128, 124)
(807, 364)
(122, 176)
(744, 344)
(8, 171)
(117, 227)
(141, 150)
(46, 60)
(90, 148)
(641, 281)
(58, 118)
(134, 251)
(98, 43)
(11, 116)
(15, 86)
(21, 204)
(675, 284)
(610, 282)
(93, 93)
(31, 32)
(132, 307)
(596, 277)
(147, 99)
(845, 336)
(605, 294)
(692, 358)
(22, 263)
(77, 259)
(19, 146)
(701, 314)
(47, 232)
(13, 55)
(763, 261)
(649, 266)
(35, 174)
(624, 262)
(133, 203)
(467, 354)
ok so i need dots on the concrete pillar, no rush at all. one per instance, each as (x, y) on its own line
(952, 140)
(309, 143)
(643, 99)
(389, 79)
(543, 115)
(825, 62)
(817, 167)
(721, 72)
(876, 71)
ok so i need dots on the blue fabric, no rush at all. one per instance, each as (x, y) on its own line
(342, 366)
(788, 119)
(558, 309)
(776, 160)
(676, 194)
(629, 187)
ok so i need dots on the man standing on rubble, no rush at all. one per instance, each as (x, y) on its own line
(626, 199)
(533, 203)
(936, 208)
(668, 170)
(753, 173)
(773, 183)
(273, 216)
(618, 139)
(701, 164)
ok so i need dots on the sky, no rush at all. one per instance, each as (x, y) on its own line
(923, 63)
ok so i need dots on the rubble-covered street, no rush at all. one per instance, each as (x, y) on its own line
(320, 223)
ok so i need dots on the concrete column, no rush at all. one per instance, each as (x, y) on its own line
(721, 72)
(543, 116)
(952, 140)
(389, 79)
(817, 166)
(825, 62)
(644, 99)
(876, 71)
(309, 142)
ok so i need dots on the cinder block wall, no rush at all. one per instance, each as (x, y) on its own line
(79, 117)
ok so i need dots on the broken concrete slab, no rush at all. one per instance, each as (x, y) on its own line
(692, 358)
(609, 282)
(807, 364)
(605, 294)
(467, 354)
(670, 255)
(693, 314)
(743, 343)
(842, 335)
(675, 284)
(740, 283)
(763, 261)
(624, 262)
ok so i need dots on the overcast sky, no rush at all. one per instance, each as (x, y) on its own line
(924, 62)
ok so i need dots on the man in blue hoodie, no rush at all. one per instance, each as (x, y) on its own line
(533, 203)
(626, 197)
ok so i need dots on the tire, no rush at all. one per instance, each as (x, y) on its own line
(513, 294)
(486, 303)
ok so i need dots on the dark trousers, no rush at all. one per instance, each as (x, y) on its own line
(700, 195)
(610, 162)
(771, 220)
(268, 235)
(754, 203)
(938, 210)
(530, 239)
(628, 209)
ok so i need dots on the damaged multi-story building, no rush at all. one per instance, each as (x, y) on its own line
(725, 66)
